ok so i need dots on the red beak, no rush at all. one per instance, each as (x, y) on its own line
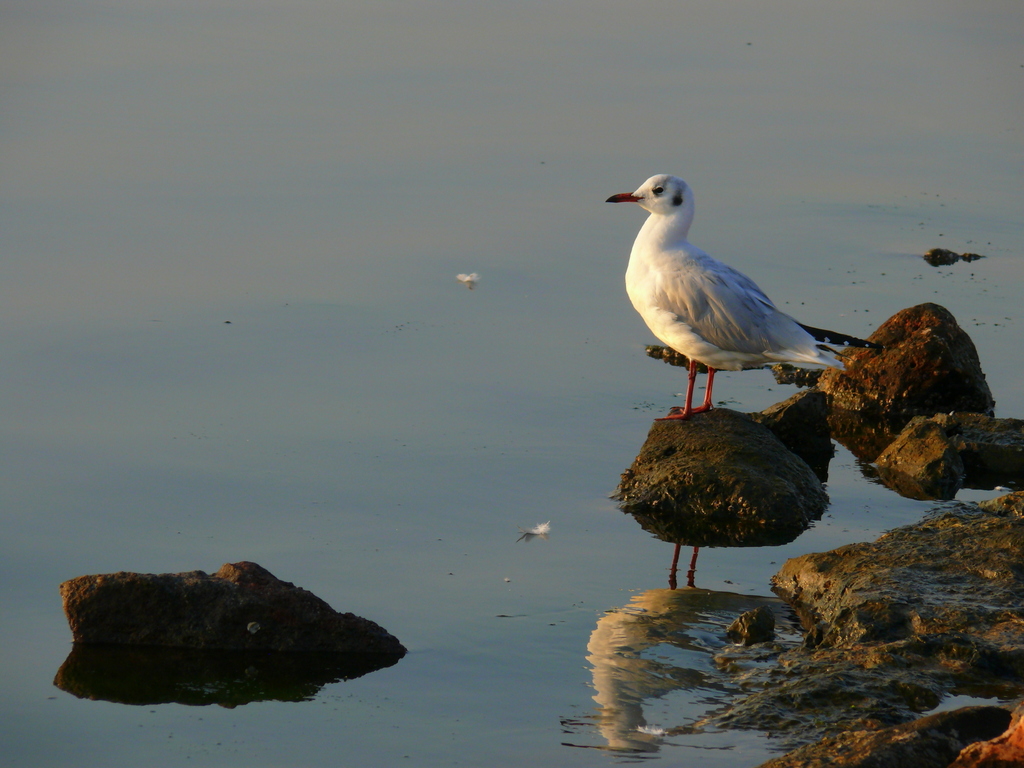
(625, 197)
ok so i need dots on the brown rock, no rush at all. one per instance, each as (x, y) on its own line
(928, 365)
(1004, 751)
(720, 479)
(242, 607)
(932, 458)
(940, 257)
(893, 628)
(956, 572)
(989, 447)
(922, 463)
(1010, 504)
(931, 742)
(755, 626)
(801, 423)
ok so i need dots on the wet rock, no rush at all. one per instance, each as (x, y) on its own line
(785, 373)
(932, 458)
(138, 675)
(1004, 751)
(928, 365)
(930, 742)
(724, 479)
(756, 626)
(922, 462)
(811, 693)
(989, 448)
(955, 573)
(242, 607)
(940, 257)
(1010, 504)
(893, 628)
(801, 423)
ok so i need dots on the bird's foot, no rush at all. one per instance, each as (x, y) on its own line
(675, 413)
(682, 414)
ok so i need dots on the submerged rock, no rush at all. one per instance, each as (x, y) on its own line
(893, 628)
(751, 627)
(989, 447)
(1011, 504)
(932, 458)
(928, 365)
(242, 607)
(956, 572)
(940, 257)
(930, 742)
(721, 479)
(922, 463)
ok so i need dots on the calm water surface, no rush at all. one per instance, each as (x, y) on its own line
(231, 330)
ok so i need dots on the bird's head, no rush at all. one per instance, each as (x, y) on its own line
(663, 194)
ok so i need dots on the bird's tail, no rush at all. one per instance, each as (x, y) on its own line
(831, 337)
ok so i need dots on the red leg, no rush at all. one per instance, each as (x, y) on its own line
(674, 567)
(706, 406)
(693, 568)
(688, 410)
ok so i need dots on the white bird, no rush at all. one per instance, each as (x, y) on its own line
(704, 309)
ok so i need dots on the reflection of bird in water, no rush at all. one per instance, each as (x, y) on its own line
(627, 671)
(704, 309)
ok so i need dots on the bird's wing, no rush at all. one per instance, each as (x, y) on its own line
(724, 307)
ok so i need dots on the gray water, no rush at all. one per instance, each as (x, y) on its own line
(231, 330)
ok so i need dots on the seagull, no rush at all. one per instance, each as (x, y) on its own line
(704, 309)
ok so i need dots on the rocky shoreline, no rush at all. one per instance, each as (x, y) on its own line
(894, 627)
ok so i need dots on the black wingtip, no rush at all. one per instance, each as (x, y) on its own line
(832, 337)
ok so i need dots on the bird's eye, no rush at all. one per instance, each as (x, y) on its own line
(658, 190)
